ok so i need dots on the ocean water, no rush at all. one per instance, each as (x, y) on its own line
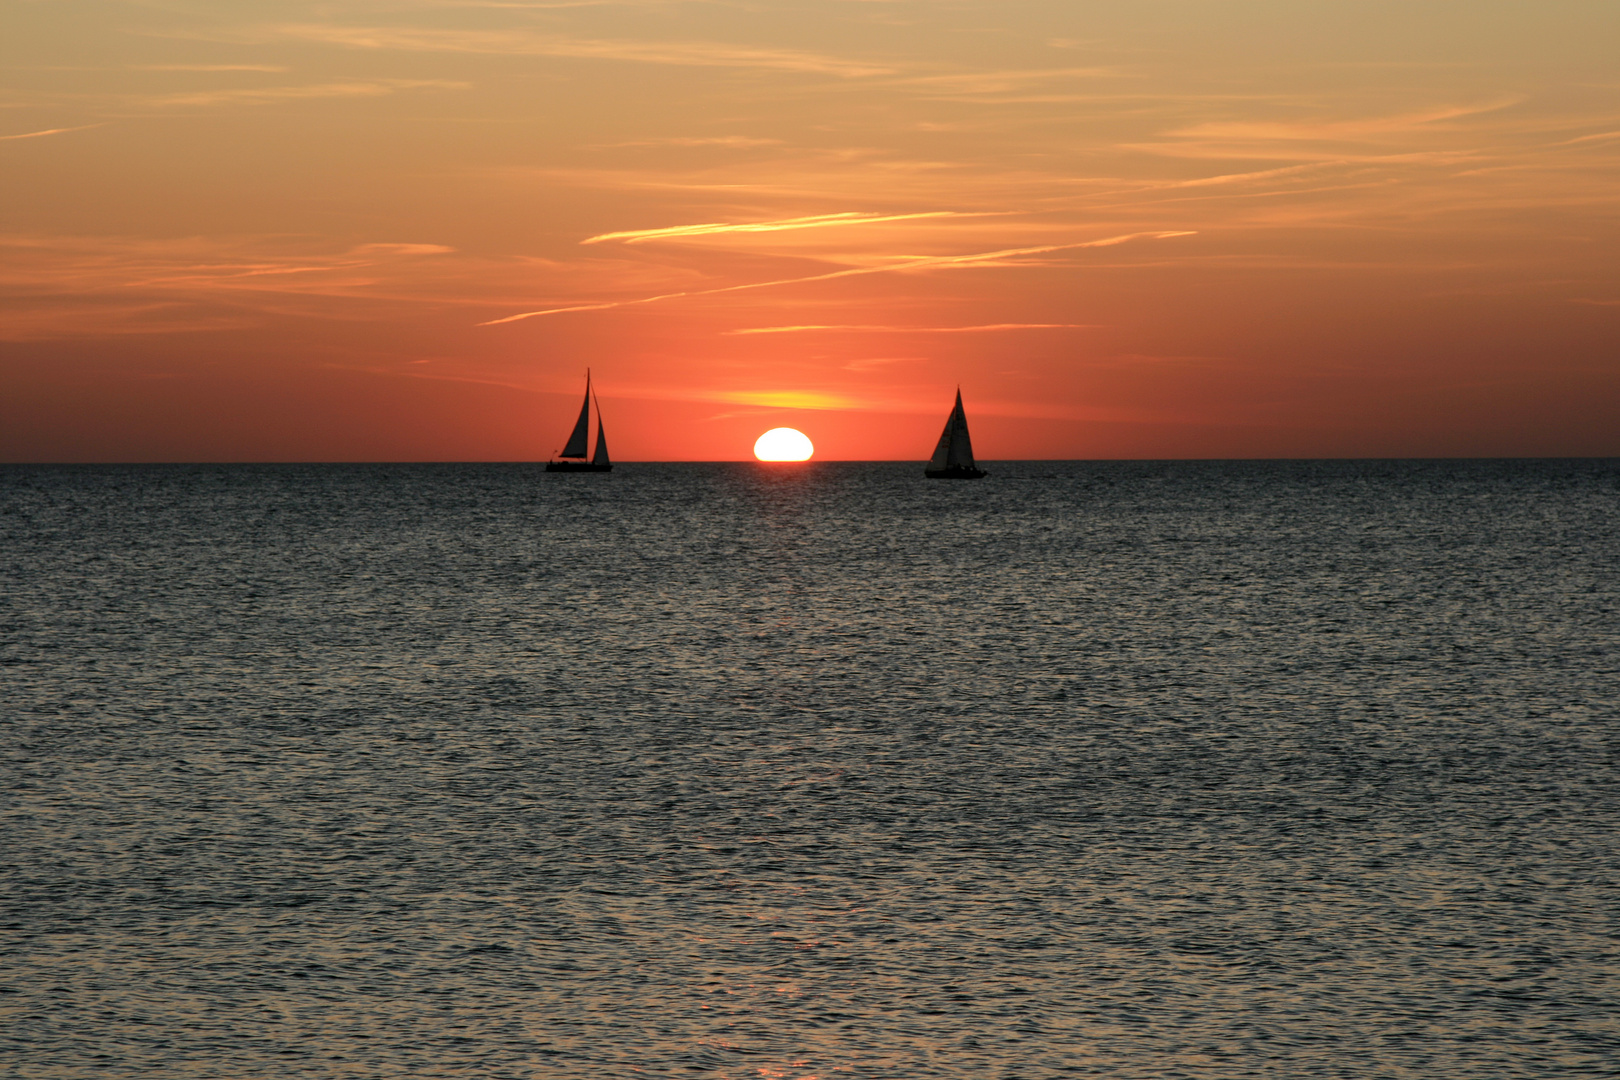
(1199, 769)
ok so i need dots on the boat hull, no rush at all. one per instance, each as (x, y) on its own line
(576, 466)
(956, 472)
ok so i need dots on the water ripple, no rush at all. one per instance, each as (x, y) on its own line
(1089, 769)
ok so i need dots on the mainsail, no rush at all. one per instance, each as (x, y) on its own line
(582, 427)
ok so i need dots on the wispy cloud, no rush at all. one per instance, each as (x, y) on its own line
(1005, 257)
(812, 398)
(528, 43)
(66, 286)
(272, 68)
(267, 94)
(877, 363)
(48, 131)
(819, 221)
(1239, 178)
(1319, 140)
(879, 329)
(784, 399)
(1359, 128)
(1602, 136)
(402, 249)
(80, 317)
(902, 398)
(735, 141)
(972, 83)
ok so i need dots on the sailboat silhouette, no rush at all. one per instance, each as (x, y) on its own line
(953, 457)
(572, 458)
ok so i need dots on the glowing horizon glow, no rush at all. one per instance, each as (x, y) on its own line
(783, 444)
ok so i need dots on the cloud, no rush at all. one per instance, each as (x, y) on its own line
(1335, 130)
(969, 85)
(527, 43)
(871, 363)
(902, 398)
(784, 399)
(1004, 257)
(403, 249)
(819, 221)
(63, 317)
(1241, 178)
(48, 131)
(1319, 141)
(69, 286)
(987, 328)
(756, 400)
(712, 140)
(1602, 136)
(263, 95)
(274, 68)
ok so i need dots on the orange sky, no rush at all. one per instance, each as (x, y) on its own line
(401, 231)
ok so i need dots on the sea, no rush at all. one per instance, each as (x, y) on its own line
(1192, 769)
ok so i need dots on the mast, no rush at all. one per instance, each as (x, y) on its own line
(582, 427)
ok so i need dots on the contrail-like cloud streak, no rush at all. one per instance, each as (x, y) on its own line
(820, 221)
(48, 131)
(920, 262)
(987, 328)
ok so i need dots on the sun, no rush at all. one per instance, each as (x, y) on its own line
(783, 444)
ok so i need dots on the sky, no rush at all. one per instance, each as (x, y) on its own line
(367, 231)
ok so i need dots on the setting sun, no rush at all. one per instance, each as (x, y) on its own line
(783, 444)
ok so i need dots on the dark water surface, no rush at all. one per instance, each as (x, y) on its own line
(1089, 769)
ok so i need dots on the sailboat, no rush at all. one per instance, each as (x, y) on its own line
(572, 458)
(953, 457)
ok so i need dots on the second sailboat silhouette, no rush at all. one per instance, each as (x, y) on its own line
(953, 457)
(572, 458)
